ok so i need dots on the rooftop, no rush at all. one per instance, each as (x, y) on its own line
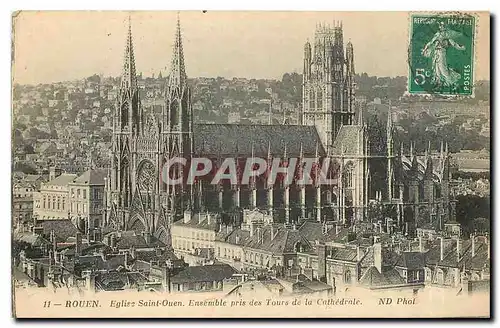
(92, 177)
(229, 139)
(63, 229)
(62, 180)
(374, 278)
(204, 273)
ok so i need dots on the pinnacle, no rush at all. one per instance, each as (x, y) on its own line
(129, 78)
(177, 70)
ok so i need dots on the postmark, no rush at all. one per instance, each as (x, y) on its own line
(441, 54)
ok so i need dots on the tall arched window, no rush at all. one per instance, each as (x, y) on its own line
(347, 277)
(319, 98)
(428, 274)
(440, 276)
(348, 176)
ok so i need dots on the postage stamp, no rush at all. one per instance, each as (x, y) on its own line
(441, 54)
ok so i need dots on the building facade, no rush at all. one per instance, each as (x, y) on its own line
(22, 202)
(52, 202)
(194, 232)
(86, 195)
(332, 129)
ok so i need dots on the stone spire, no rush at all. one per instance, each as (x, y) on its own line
(428, 161)
(129, 117)
(390, 153)
(389, 130)
(129, 75)
(177, 114)
(178, 75)
(361, 119)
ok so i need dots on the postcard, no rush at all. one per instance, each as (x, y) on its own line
(250, 164)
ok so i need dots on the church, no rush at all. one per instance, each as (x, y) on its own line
(331, 126)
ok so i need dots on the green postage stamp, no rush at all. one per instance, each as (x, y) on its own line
(441, 54)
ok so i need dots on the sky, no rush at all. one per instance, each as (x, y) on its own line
(52, 46)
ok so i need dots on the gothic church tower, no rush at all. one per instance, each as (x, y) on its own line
(137, 197)
(127, 124)
(328, 83)
(177, 126)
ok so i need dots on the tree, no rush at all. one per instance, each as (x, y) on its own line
(471, 207)
(25, 168)
(374, 212)
(28, 149)
(481, 225)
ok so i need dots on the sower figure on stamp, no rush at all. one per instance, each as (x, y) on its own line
(436, 49)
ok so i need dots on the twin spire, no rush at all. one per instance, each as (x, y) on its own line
(129, 74)
(177, 70)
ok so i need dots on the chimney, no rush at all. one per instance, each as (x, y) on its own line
(252, 229)
(165, 278)
(237, 239)
(338, 228)
(53, 240)
(125, 260)
(441, 253)
(89, 280)
(359, 253)
(458, 249)
(37, 230)
(377, 256)
(102, 254)
(54, 173)
(321, 262)
(187, 216)
(272, 231)
(259, 235)
(381, 227)
(229, 228)
(208, 219)
(488, 247)
(51, 258)
(78, 247)
(473, 245)
(275, 233)
(112, 243)
(147, 237)
(197, 218)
